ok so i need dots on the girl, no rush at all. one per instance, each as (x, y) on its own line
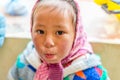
(60, 50)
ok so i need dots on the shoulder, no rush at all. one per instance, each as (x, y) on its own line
(93, 73)
(22, 69)
(28, 58)
(21, 58)
(86, 67)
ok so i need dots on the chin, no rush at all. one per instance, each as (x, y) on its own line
(52, 61)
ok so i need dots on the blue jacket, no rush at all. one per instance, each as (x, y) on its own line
(86, 67)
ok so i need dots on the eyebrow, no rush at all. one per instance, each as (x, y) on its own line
(40, 25)
(59, 26)
(54, 26)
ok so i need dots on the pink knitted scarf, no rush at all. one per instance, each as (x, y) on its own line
(80, 47)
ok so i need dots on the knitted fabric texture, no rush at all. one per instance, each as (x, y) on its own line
(49, 72)
(80, 47)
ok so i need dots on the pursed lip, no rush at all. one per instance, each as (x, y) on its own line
(48, 52)
(49, 55)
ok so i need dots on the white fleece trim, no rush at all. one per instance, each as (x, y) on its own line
(9, 77)
(82, 63)
(33, 59)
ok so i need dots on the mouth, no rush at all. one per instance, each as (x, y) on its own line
(49, 56)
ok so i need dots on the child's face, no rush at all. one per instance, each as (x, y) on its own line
(53, 35)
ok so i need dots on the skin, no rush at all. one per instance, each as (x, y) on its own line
(53, 35)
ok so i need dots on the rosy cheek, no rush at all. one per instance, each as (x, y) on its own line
(65, 47)
(36, 42)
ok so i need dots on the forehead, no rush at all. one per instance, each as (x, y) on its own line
(58, 6)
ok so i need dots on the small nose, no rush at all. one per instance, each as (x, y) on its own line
(49, 42)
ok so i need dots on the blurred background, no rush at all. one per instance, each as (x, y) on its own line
(102, 28)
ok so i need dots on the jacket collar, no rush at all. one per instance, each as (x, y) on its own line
(34, 59)
(81, 63)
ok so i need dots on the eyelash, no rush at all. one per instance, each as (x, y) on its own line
(40, 31)
(57, 33)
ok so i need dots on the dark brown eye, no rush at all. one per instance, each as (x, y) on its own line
(40, 31)
(59, 32)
